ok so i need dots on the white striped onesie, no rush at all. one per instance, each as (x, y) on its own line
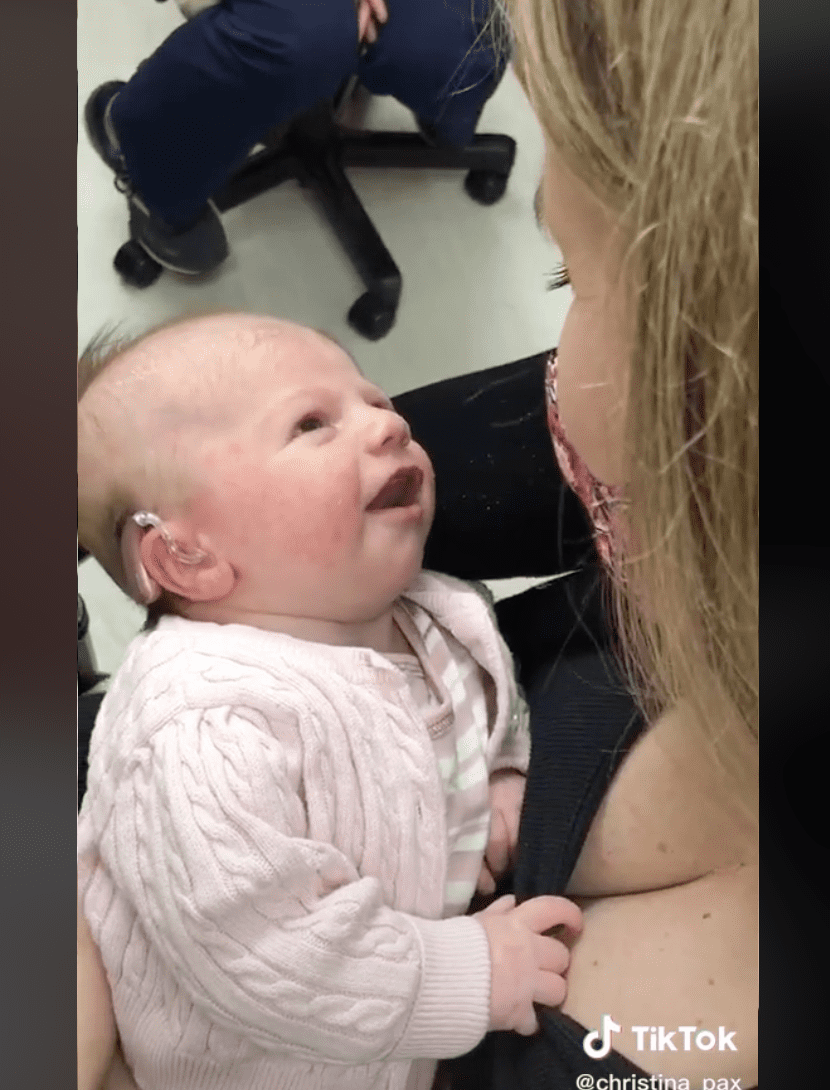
(456, 699)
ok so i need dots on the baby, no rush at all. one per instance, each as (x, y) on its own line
(315, 753)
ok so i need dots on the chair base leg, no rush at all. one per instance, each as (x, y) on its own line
(314, 152)
(409, 150)
(374, 313)
(313, 155)
(356, 232)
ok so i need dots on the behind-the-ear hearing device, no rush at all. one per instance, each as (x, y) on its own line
(145, 519)
(140, 585)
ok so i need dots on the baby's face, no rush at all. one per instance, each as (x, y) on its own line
(310, 484)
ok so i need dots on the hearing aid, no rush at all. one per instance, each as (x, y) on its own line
(141, 585)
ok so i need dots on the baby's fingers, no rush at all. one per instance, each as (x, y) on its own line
(542, 913)
(550, 990)
(378, 10)
(366, 29)
(551, 955)
(526, 1024)
(498, 846)
(486, 884)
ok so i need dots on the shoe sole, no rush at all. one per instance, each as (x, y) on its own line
(188, 273)
(98, 136)
(166, 263)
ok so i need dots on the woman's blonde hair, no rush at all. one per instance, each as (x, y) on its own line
(654, 106)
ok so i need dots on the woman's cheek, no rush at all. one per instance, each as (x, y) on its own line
(590, 389)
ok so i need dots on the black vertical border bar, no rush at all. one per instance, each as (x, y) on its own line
(38, 486)
(37, 440)
(795, 552)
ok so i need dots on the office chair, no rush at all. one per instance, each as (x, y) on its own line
(313, 149)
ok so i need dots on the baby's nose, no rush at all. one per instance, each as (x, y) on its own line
(391, 429)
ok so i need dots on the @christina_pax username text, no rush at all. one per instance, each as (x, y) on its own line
(649, 1082)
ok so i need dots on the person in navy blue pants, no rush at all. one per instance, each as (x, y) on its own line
(192, 112)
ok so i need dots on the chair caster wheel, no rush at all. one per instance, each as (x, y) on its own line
(135, 266)
(371, 317)
(485, 186)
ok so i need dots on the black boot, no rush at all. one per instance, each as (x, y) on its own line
(192, 250)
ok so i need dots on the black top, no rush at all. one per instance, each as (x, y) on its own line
(583, 725)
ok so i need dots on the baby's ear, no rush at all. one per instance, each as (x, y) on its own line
(164, 557)
(140, 585)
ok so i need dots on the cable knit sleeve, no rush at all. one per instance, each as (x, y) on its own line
(273, 935)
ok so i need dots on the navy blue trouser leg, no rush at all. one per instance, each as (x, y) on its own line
(433, 57)
(194, 110)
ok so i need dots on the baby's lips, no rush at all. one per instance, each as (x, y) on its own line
(402, 489)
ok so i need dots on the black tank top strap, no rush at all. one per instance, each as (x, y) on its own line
(583, 723)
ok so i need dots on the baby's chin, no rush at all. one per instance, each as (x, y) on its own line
(371, 606)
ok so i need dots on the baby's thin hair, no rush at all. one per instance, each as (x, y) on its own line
(104, 347)
(110, 343)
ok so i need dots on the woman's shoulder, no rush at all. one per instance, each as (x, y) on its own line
(669, 816)
(668, 882)
(676, 970)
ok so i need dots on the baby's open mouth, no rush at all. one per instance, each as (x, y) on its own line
(401, 490)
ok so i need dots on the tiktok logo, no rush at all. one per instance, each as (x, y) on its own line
(597, 1043)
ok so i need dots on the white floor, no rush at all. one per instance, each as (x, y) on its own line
(474, 277)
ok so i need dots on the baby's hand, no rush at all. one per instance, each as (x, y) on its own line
(370, 15)
(507, 789)
(527, 966)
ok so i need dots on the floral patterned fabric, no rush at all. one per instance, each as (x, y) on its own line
(601, 501)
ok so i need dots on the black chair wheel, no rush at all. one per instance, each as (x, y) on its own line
(135, 266)
(372, 317)
(485, 186)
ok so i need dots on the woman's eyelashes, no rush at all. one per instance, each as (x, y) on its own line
(558, 277)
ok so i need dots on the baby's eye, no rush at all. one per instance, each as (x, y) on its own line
(310, 422)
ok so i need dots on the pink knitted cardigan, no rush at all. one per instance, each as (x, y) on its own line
(262, 852)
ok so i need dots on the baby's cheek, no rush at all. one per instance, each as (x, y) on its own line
(314, 520)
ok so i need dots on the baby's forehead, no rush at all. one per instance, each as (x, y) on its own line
(226, 345)
(207, 366)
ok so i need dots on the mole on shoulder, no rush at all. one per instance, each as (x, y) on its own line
(706, 915)
(661, 847)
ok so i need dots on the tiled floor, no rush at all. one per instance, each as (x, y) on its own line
(474, 277)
